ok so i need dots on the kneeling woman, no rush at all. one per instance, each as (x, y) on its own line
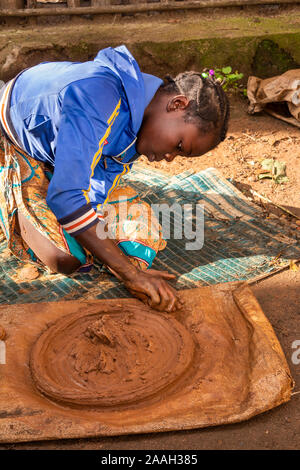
(69, 132)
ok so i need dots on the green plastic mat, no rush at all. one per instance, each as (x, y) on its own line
(240, 243)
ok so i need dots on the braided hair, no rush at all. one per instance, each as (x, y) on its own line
(209, 106)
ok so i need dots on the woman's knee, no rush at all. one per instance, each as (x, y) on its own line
(51, 256)
(65, 264)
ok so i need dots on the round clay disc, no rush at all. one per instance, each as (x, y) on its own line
(112, 357)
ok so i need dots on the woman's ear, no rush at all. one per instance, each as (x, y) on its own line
(178, 102)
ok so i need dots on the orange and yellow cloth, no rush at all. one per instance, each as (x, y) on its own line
(23, 187)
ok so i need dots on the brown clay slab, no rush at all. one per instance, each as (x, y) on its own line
(112, 367)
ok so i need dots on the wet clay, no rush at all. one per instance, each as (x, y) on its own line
(111, 357)
(110, 367)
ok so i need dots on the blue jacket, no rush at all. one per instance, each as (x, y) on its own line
(77, 116)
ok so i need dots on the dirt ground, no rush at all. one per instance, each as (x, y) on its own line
(250, 139)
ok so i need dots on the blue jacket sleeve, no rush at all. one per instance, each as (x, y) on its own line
(89, 109)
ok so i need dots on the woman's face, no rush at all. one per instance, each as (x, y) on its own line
(164, 133)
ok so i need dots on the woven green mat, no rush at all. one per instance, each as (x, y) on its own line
(239, 243)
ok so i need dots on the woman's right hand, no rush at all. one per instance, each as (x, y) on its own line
(151, 287)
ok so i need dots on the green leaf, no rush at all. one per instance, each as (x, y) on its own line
(226, 70)
(267, 164)
(274, 169)
(239, 76)
(279, 168)
(262, 176)
(281, 179)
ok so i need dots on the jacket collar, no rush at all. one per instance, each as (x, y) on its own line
(139, 87)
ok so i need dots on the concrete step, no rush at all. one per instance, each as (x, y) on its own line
(262, 42)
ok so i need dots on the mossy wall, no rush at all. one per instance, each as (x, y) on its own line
(264, 55)
(261, 56)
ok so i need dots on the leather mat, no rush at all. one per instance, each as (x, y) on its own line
(78, 369)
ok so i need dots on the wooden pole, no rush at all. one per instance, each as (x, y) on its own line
(12, 4)
(145, 7)
(73, 3)
(31, 3)
(101, 3)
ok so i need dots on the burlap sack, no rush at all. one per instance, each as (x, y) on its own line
(284, 88)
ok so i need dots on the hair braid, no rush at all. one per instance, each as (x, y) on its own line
(209, 105)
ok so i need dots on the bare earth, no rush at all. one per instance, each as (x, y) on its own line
(250, 139)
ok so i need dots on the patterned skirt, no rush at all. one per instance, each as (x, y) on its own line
(23, 187)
